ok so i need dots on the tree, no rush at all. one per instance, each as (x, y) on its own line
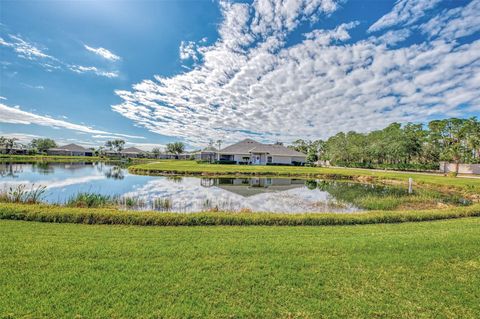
(156, 152)
(9, 144)
(3, 141)
(175, 148)
(312, 156)
(115, 145)
(472, 138)
(301, 146)
(42, 144)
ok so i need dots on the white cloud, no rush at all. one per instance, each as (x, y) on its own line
(21, 137)
(251, 84)
(188, 50)
(15, 115)
(91, 69)
(455, 23)
(104, 53)
(146, 146)
(30, 51)
(405, 12)
(37, 87)
(25, 49)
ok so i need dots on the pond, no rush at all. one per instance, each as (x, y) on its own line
(191, 194)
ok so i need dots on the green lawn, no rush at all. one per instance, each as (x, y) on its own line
(410, 270)
(192, 167)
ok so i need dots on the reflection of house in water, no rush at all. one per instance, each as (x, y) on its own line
(253, 186)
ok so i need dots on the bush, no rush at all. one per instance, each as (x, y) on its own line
(228, 162)
(295, 163)
(397, 167)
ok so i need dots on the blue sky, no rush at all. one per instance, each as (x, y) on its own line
(152, 72)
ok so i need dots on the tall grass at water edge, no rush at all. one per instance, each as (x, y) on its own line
(22, 194)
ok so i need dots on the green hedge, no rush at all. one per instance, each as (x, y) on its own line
(58, 214)
(397, 167)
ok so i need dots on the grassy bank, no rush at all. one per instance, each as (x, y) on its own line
(411, 270)
(59, 214)
(193, 168)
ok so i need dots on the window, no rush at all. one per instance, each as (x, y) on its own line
(269, 159)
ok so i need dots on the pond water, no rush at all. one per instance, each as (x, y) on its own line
(190, 194)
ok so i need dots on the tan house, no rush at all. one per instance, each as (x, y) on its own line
(70, 150)
(249, 151)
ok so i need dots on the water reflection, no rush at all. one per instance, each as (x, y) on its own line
(191, 194)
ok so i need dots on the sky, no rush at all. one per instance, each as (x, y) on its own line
(154, 72)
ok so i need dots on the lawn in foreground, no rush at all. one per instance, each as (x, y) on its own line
(427, 269)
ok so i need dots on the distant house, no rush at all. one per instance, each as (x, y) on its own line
(17, 149)
(70, 150)
(208, 154)
(252, 152)
(132, 152)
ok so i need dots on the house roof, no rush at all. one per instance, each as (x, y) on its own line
(71, 148)
(242, 147)
(132, 150)
(209, 149)
(249, 146)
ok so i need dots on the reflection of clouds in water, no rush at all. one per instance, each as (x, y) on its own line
(189, 196)
(55, 183)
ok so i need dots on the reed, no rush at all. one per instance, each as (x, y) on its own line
(90, 200)
(22, 194)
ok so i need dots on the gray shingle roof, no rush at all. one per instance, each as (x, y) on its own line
(132, 150)
(71, 148)
(250, 146)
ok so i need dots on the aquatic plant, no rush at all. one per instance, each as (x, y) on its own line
(131, 202)
(162, 204)
(21, 194)
(86, 199)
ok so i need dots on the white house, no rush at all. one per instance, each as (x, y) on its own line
(252, 152)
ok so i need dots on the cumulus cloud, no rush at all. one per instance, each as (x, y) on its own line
(405, 12)
(188, 50)
(104, 53)
(454, 23)
(15, 115)
(252, 84)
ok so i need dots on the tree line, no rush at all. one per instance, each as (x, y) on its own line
(406, 146)
(41, 145)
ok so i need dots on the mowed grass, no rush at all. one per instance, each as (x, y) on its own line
(410, 270)
(192, 167)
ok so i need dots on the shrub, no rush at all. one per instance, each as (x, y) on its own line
(225, 162)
